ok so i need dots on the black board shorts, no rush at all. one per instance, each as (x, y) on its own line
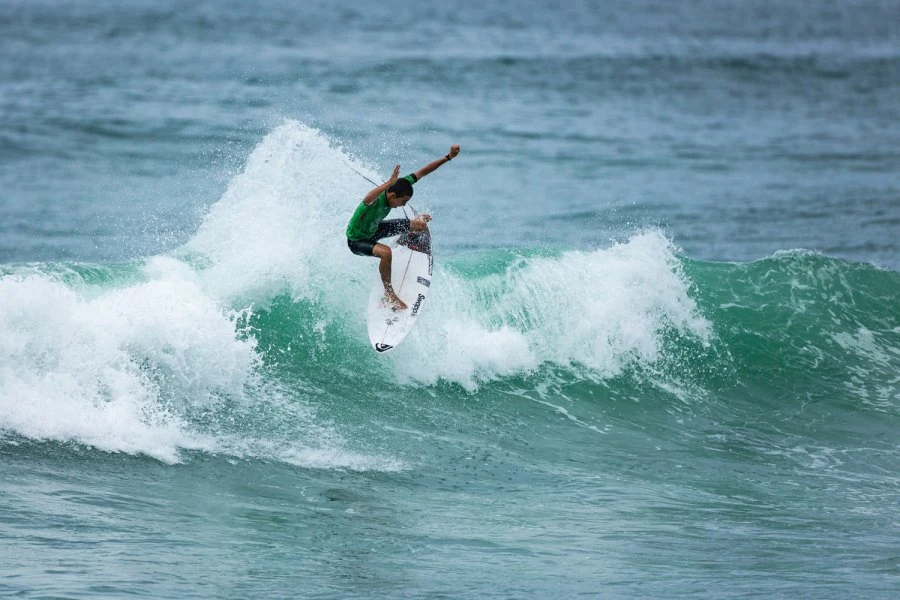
(388, 228)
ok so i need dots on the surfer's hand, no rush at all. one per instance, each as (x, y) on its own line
(420, 223)
(394, 175)
(454, 150)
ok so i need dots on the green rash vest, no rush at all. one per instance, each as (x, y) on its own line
(364, 222)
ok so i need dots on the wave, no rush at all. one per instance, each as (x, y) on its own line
(242, 340)
(799, 318)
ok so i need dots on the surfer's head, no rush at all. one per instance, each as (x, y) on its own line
(399, 193)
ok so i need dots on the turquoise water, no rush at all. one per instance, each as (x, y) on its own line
(188, 404)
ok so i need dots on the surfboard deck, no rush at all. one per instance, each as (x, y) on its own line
(411, 268)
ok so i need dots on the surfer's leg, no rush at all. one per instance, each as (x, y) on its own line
(384, 268)
(361, 247)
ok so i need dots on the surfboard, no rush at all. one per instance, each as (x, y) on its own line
(411, 267)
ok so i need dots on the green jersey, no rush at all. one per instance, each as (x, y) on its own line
(364, 222)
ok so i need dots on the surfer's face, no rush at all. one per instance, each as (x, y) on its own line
(395, 201)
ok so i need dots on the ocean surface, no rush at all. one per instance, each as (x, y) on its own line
(660, 359)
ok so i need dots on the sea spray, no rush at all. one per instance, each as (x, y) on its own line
(280, 224)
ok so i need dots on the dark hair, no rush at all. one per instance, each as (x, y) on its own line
(401, 188)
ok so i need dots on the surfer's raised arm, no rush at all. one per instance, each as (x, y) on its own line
(370, 197)
(430, 167)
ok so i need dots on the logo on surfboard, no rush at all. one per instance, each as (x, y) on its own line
(383, 347)
(418, 303)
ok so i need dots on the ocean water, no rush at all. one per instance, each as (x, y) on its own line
(661, 357)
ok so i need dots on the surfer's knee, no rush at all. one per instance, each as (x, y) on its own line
(383, 252)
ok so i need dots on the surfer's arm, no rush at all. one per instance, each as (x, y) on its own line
(430, 167)
(370, 197)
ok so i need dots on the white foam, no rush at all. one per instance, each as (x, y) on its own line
(73, 369)
(603, 310)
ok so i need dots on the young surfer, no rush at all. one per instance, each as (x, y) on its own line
(367, 225)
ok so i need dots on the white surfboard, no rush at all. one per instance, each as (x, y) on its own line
(411, 266)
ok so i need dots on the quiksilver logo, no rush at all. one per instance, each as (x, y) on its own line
(418, 303)
(383, 347)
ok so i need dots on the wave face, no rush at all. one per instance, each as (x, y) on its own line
(801, 321)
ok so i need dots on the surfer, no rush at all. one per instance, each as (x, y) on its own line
(367, 225)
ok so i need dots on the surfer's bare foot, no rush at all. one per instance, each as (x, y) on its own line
(395, 301)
